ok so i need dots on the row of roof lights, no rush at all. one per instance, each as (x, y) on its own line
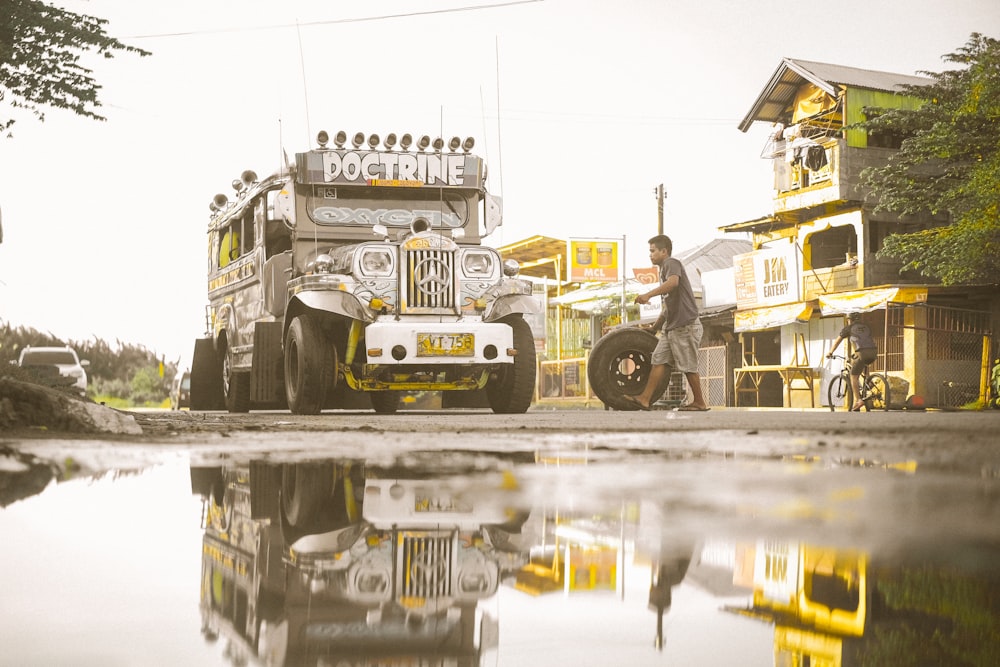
(405, 141)
(220, 202)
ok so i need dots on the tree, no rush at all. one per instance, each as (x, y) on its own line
(40, 49)
(949, 163)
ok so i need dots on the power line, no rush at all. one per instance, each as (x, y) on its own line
(583, 117)
(362, 19)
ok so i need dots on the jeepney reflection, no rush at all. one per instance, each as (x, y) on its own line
(337, 562)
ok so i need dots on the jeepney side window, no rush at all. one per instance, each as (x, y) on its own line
(213, 250)
(247, 233)
(229, 246)
(277, 236)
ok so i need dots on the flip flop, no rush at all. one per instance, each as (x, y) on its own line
(692, 408)
(635, 401)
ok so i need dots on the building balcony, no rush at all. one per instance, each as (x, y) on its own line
(809, 173)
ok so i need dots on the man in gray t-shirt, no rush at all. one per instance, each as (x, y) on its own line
(677, 348)
(864, 351)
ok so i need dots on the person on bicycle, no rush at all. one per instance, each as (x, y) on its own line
(864, 352)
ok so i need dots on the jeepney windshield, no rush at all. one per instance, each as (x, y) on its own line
(391, 206)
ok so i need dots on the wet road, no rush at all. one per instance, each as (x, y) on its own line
(570, 537)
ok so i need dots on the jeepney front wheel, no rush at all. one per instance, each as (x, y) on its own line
(310, 365)
(619, 366)
(511, 389)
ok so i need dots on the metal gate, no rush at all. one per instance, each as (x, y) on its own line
(951, 352)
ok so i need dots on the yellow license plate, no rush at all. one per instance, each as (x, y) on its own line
(424, 503)
(446, 345)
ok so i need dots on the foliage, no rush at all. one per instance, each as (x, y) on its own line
(126, 375)
(934, 616)
(949, 163)
(40, 49)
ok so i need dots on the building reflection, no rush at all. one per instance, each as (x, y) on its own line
(835, 607)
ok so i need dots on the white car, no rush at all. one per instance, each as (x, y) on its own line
(61, 360)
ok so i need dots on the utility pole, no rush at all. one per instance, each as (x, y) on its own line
(660, 196)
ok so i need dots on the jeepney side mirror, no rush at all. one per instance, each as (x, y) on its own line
(381, 230)
(494, 213)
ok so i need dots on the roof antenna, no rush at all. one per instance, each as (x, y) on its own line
(305, 91)
(499, 141)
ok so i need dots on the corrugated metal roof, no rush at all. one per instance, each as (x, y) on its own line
(776, 97)
(711, 256)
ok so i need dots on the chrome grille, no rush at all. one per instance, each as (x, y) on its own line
(426, 564)
(430, 280)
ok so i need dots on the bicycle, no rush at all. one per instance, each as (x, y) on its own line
(874, 388)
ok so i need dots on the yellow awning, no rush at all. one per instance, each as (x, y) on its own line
(861, 301)
(757, 319)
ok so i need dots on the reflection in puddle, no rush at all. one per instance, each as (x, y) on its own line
(498, 561)
(339, 563)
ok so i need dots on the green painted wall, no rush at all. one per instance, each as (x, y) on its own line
(858, 98)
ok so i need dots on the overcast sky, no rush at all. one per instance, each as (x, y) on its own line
(581, 107)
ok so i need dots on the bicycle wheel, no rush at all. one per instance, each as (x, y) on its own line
(876, 392)
(838, 392)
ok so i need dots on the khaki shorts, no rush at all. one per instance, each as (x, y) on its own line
(679, 348)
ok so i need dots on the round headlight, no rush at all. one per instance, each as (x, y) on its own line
(477, 263)
(511, 268)
(322, 264)
(376, 262)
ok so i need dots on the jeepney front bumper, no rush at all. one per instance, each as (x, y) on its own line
(433, 342)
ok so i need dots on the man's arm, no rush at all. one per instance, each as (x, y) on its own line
(657, 325)
(665, 287)
(836, 344)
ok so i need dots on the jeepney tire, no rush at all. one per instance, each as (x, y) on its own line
(512, 388)
(238, 399)
(310, 363)
(306, 489)
(619, 366)
(384, 402)
(207, 481)
(235, 385)
(206, 377)
(265, 490)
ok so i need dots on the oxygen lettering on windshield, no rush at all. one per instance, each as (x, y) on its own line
(399, 217)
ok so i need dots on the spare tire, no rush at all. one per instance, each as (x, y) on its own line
(619, 366)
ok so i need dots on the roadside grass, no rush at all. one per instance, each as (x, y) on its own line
(119, 403)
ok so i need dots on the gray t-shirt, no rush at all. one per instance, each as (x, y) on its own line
(860, 335)
(679, 304)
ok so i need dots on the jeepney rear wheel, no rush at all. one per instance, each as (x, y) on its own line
(235, 384)
(310, 365)
(384, 402)
(619, 366)
(513, 386)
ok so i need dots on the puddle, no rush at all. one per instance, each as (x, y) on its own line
(566, 556)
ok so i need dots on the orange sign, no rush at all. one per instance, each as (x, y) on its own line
(593, 261)
(647, 276)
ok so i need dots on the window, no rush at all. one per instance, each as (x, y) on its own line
(833, 247)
